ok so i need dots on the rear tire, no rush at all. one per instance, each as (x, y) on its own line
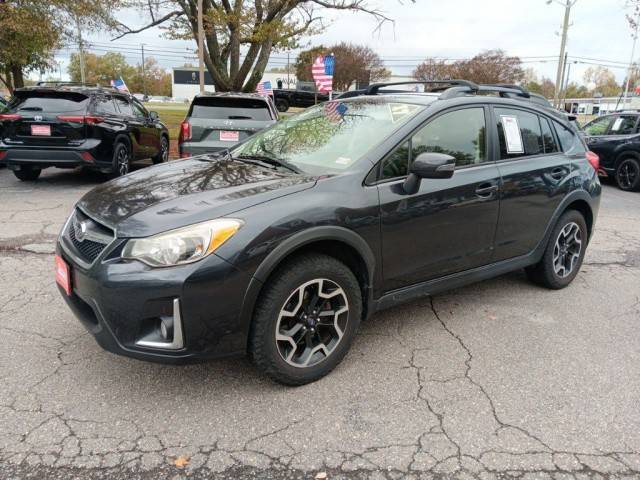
(282, 105)
(27, 174)
(121, 160)
(305, 319)
(163, 154)
(628, 174)
(564, 254)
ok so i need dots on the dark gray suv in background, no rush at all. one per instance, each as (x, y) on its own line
(217, 121)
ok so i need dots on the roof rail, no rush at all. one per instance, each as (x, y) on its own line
(374, 88)
(56, 83)
(501, 89)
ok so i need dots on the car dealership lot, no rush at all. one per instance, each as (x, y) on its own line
(492, 378)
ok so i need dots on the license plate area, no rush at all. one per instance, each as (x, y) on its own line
(63, 274)
(229, 136)
(41, 130)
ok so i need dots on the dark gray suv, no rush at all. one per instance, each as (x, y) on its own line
(217, 121)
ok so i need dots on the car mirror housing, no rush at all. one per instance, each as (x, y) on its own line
(429, 165)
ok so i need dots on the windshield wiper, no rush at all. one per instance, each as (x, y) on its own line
(271, 161)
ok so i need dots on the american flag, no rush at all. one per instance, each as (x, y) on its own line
(265, 88)
(335, 111)
(322, 72)
(119, 84)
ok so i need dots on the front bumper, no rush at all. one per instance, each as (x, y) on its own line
(118, 302)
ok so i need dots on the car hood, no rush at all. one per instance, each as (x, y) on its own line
(179, 193)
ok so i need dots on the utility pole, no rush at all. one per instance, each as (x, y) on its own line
(200, 46)
(633, 53)
(288, 81)
(567, 4)
(80, 50)
(564, 71)
(144, 84)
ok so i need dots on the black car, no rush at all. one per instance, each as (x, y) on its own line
(280, 247)
(616, 140)
(75, 125)
(217, 121)
(286, 98)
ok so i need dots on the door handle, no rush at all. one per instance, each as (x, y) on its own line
(486, 190)
(558, 173)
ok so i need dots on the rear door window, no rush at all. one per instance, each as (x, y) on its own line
(548, 139)
(519, 133)
(220, 108)
(124, 106)
(49, 102)
(105, 105)
(623, 125)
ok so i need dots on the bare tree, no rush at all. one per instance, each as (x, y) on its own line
(257, 27)
(490, 66)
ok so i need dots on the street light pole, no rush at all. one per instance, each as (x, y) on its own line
(633, 53)
(80, 50)
(200, 46)
(567, 4)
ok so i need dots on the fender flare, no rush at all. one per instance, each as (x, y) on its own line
(582, 195)
(625, 154)
(290, 245)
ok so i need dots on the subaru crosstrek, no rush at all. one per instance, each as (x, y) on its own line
(281, 246)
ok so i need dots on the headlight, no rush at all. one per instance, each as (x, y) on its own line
(184, 245)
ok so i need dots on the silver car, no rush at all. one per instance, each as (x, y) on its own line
(217, 121)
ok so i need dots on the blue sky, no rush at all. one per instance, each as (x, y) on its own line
(448, 29)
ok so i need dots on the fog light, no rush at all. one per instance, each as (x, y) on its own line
(166, 328)
(166, 335)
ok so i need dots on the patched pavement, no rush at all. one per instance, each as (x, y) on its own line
(497, 379)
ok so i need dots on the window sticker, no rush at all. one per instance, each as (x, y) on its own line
(512, 134)
(616, 124)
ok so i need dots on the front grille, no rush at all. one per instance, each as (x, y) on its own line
(89, 243)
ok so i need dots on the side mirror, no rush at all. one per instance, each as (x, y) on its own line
(429, 165)
(154, 116)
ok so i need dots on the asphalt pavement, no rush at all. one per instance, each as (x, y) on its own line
(498, 379)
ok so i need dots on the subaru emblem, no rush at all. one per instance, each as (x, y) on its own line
(83, 231)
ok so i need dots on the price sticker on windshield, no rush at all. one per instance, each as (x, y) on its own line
(512, 134)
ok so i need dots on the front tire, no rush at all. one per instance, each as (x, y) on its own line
(305, 319)
(564, 254)
(27, 174)
(163, 154)
(628, 175)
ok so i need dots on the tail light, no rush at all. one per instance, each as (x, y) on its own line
(10, 116)
(80, 119)
(87, 157)
(594, 160)
(185, 132)
(3, 153)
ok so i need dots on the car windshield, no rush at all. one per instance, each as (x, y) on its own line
(331, 137)
(230, 108)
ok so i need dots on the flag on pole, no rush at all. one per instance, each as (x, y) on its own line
(322, 72)
(265, 88)
(119, 84)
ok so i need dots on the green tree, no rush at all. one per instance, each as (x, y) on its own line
(100, 69)
(254, 27)
(603, 80)
(354, 63)
(156, 80)
(31, 30)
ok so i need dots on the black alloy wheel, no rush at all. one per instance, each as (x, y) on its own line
(163, 154)
(628, 174)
